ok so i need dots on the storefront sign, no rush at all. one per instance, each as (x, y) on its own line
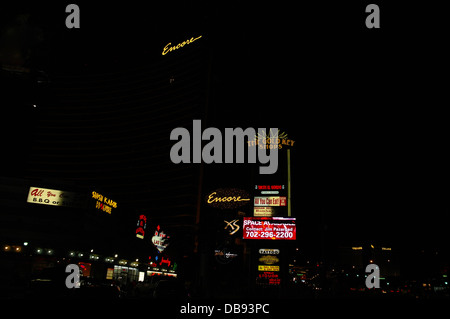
(227, 198)
(270, 228)
(53, 197)
(269, 251)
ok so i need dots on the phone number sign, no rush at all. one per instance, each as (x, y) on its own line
(270, 228)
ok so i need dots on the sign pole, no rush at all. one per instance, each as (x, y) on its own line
(289, 181)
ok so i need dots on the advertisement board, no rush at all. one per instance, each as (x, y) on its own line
(268, 267)
(53, 197)
(269, 228)
(269, 200)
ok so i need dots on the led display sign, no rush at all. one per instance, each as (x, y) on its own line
(270, 228)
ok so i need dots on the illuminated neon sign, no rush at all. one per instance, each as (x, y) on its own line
(169, 48)
(227, 198)
(160, 240)
(141, 225)
(104, 203)
(271, 140)
(233, 227)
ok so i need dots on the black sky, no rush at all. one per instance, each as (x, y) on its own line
(363, 105)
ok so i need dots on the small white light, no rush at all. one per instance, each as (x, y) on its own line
(25, 243)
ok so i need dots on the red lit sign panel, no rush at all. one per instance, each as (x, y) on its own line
(270, 228)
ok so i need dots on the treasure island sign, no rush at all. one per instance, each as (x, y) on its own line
(227, 198)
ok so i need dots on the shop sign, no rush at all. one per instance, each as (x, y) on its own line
(271, 140)
(269, 251)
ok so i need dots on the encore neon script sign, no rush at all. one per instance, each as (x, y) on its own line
(169, 48)
(227, 198)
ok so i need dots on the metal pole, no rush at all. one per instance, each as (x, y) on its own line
(289, 181)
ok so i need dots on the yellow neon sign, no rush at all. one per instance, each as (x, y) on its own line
(169, 48)
(268, 268)
(212, 199)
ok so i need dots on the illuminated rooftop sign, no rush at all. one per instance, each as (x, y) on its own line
(168, 48)
(271, 140)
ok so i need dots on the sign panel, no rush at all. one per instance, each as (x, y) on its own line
(52, 197)
(262, 211)
(269, 228)
(268, 267)
(270, 201)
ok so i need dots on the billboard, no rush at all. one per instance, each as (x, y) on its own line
(53, 197)
(268, 267)
(269, 200)
(269, 228)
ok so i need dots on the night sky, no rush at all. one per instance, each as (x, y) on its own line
(364, 106)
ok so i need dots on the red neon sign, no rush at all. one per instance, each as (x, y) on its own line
(165, 261)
